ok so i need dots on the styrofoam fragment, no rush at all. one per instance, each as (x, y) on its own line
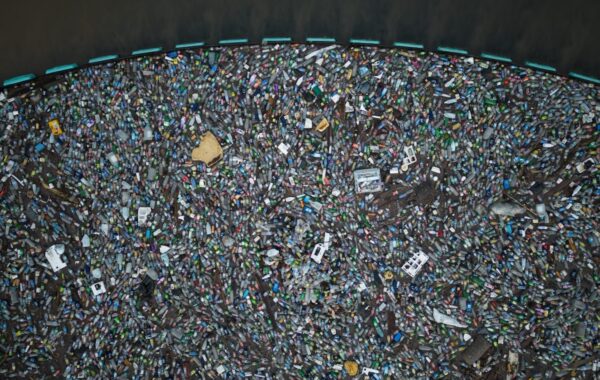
(415, 263)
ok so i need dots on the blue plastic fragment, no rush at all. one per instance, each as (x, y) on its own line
(40, 147)
(508, 228)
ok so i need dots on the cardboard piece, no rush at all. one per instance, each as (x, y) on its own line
(209, 151)
(323, 125)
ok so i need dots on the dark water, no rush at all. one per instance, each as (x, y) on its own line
(38, 34)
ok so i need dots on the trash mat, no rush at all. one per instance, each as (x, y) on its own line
(302, 212)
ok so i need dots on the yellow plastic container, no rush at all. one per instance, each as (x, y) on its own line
(55, 127)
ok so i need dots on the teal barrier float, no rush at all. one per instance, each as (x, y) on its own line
(18, 79)
(189, 45)
(358, 41)
(104, 58)
(312, 40)
(146, 51)
(320, 40)
(496, 57)
(235, 41)
(584, 77)
(408, 45)
(451, 50)
(61, 68)
(276, 40)
(539, 66)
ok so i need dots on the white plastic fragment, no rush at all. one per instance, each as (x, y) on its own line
(443, 318)
(415, 263)
(284, 148)
(488, 133)
(85, 241)
(148, 134)
(98, 288)
(506, 209)
(164, 249)
(272, 252)
(125, 212)
(53, 255)
(320, 51)
(436, 170)
(411, 157)
(367, 181)
(583, 166)
(449, 115)
(540, 208)
(348, 108)
(513, 359)
(320, 249)
(368, 371)
(113, 158)
(104, 227)
(143, 213)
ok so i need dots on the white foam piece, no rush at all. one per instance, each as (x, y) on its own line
(53, 255)
(415, 263)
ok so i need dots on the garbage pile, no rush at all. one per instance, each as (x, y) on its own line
(298, 211)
